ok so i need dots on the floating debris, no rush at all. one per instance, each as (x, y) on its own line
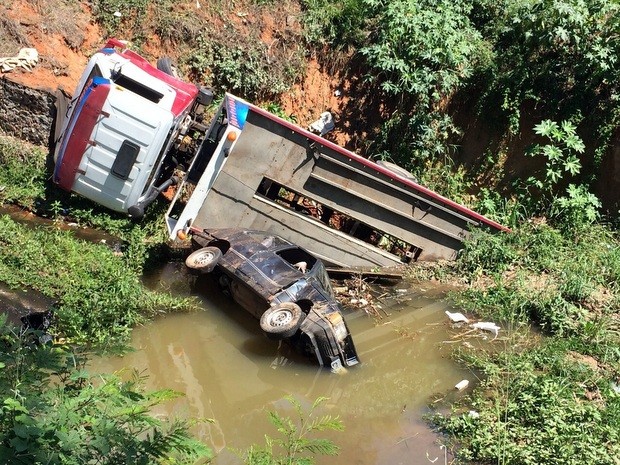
(462, 385)
(487, 326)
(457, 317)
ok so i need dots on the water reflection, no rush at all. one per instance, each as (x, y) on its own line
(231, 373)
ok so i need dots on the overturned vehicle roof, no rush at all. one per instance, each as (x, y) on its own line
(284, 286)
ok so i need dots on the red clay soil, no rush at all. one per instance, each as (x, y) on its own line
(61, 64)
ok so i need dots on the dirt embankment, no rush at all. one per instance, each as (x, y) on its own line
(65, 36)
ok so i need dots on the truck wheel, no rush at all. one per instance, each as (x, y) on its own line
(203, 260)
(394, 168)
(282, 321)
(165, 64)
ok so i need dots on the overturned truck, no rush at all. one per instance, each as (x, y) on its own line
(257, 171)
(132, 130)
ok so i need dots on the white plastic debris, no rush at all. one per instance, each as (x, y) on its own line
(27, 58)
(462, 385)
(323, 125)
(457, 317)
(118, 14)
(487, 326)
(301, 266)
(473, 414)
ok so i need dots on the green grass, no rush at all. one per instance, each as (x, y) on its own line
(99, 295)
(548, 391)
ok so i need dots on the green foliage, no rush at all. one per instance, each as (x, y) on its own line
(99, 297)
(294, 445)
(340, 23)
(507, 211)
(121, 17)
(536, 406)
(562, 55)
(418, 142)
(276, 109)
(537, 274)
(444, 178)
(22, 172)
(579, 208)
(174, 25)
(561, 154)
(422, 49)
(233, 62)
(419, 54)
(53, 412)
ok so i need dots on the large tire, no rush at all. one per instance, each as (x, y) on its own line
(282, 321)
(165, 64)
(203, 260)
(394, 168)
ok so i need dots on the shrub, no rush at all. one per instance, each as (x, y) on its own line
(52, 411)
(99, 298)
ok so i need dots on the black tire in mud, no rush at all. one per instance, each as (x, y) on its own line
(282, 321)
(203, 260)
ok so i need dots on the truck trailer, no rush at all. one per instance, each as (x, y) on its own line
(132, 130)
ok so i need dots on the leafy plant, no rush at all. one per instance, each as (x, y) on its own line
(579, 207)
(52, 411)
(422, 49)
(277, 110)
(561, 154)
(295, 443)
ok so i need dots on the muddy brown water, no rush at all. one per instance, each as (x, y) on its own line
(230, 373)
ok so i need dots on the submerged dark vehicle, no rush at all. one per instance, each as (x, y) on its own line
(281, 284)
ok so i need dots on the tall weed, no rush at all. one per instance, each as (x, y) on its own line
(99, 298)
(22, 172)
(538, 406)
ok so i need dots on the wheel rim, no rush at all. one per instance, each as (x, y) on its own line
(204, 258)
(281, 317)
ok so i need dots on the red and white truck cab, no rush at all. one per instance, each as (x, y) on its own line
(126, 130)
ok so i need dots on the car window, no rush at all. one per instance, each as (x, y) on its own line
(267, 272)
(298, 258)
(319, 271)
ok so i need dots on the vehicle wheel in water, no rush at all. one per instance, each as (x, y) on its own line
(282, 321)
(203, 260)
